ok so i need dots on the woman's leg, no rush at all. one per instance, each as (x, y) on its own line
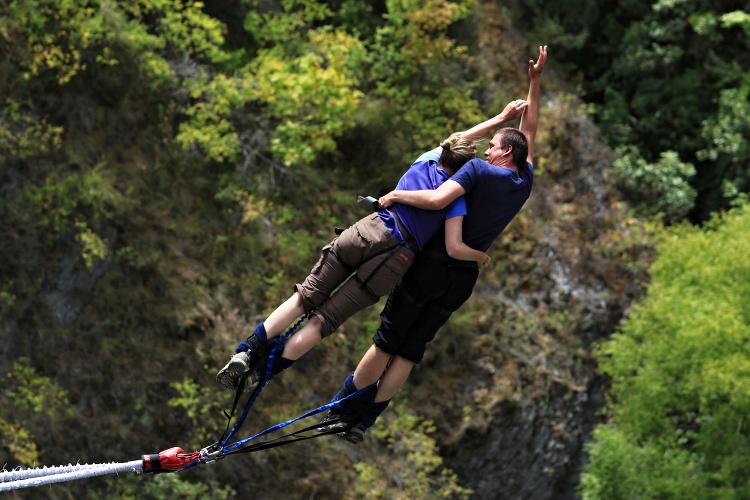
(304, 340)
(284, 315)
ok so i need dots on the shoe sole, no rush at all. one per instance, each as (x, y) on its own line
(353, 436)
(251, 382)
(230, 375)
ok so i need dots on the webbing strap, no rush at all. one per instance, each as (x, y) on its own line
(292, 437)
(256, 392)
(310, 413)
(237, 447)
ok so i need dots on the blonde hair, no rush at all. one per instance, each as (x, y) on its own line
(457, 150)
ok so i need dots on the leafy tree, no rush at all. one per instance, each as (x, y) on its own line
(727, 134)
(679, 367)
(415, 67)
(665, 76)
(661, 188)
(313, 96)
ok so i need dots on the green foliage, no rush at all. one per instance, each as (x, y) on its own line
(53, 204)
(66, 37)
(737, 18)
(199, 406)
(26, 400)
(183, 27)
(56, 35)
(23, 136)
(621, 467)
(727, 133)
(313, 96)
(356, 16)
(94, 248)
(304, 82)
(164, 487)
(59, 203)
(678, 366)
(413, 468)
(284, 27)
(208, 125)
(660, 188)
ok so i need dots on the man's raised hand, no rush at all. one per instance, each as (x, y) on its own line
(536, 68)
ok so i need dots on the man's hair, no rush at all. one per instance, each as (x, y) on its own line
(457, 150)
(513, 137)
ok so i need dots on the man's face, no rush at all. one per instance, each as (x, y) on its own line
(495, 154)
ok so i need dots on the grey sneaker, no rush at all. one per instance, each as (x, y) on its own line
(231, 374)
(354, 434)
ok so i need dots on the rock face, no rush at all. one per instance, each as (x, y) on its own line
(530, 452)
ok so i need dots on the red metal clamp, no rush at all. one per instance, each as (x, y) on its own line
(171, 460)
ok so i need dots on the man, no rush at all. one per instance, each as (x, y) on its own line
(437, 284)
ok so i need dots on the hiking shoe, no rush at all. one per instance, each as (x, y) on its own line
(231, 375)
(354, 434)
(337, 424)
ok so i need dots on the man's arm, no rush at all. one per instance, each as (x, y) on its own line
(512, 110)
(428, 199)
(530, 116)
(455, 246)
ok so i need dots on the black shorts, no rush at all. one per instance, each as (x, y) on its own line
(421, 303)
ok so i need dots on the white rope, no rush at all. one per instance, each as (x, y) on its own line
(17, 479)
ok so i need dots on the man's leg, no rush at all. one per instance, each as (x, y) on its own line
(356, 422)
(371, 367)
(432, 317)
(395, 376)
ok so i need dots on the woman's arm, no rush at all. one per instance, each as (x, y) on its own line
(457, 248)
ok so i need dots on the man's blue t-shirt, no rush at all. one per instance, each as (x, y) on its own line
(424, 173)
(494, 195)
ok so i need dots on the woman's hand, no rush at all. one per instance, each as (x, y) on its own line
(485, 262)
(513, 110)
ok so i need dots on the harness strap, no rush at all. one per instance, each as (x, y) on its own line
(292, 437)
(238, 393)
(256, 392)
(239, 444)
(408, 238)
(258, 347)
